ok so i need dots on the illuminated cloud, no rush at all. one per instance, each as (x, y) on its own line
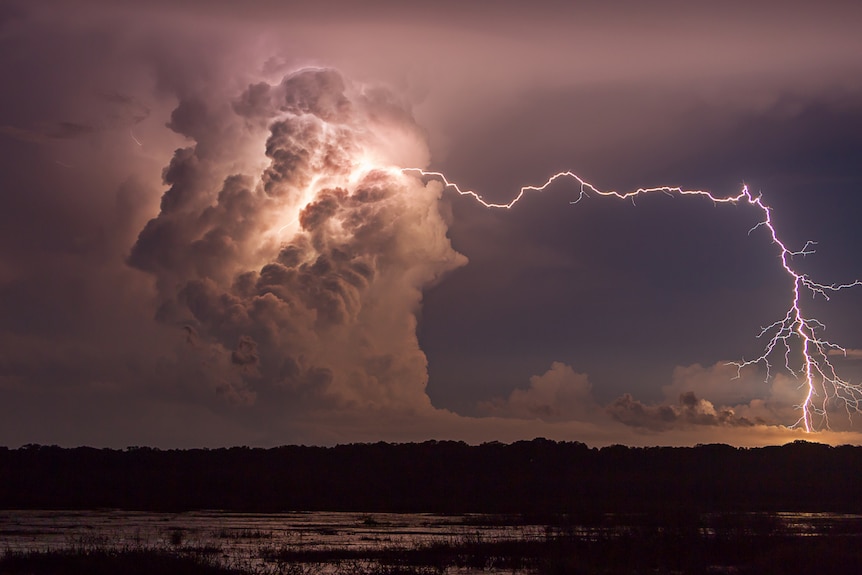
(713, 396)
(721, 382)
(307, 275)
(559, 394)
(689, 411)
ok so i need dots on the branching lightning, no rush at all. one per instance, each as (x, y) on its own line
(819, 379)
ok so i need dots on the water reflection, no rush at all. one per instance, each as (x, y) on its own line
(257, 539)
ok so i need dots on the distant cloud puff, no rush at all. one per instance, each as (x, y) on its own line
(559, 394)
(689, 411)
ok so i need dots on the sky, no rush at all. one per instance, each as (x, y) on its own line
(207, 238)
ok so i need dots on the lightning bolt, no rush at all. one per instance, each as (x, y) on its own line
(819, 380)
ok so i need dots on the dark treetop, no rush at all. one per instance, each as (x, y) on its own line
(538, 476)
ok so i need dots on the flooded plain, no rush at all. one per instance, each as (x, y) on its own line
(240, 539)
(261, 542)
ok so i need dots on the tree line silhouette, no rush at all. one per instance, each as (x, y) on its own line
(538, 477)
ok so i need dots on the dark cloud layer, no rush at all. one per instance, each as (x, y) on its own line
(689, 411)
(205, 240)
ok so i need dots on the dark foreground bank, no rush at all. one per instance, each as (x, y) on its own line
(98, 561)
(533, 477)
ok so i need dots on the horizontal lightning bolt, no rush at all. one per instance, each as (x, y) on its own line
(820, 381)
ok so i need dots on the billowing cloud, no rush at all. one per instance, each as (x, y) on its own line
(717, 395)
(307, 274)
(559, 394)
(690, 410)
(723, 383)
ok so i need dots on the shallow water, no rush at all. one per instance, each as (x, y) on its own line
(239, 538)
(243, 539)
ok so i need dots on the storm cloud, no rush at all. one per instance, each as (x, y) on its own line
(690, 410)
(206, 237)
(307, 274)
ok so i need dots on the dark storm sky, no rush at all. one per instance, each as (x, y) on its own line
(586, 322)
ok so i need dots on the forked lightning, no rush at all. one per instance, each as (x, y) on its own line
(820, 381)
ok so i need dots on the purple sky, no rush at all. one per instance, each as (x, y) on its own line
(196, 249)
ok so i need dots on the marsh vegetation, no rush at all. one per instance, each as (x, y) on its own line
(419, 544)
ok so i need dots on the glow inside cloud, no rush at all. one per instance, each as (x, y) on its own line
(302, 279)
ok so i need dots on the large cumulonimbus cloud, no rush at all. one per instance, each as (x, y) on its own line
(292, 251)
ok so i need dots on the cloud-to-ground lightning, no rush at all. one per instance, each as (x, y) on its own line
(820, 381)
